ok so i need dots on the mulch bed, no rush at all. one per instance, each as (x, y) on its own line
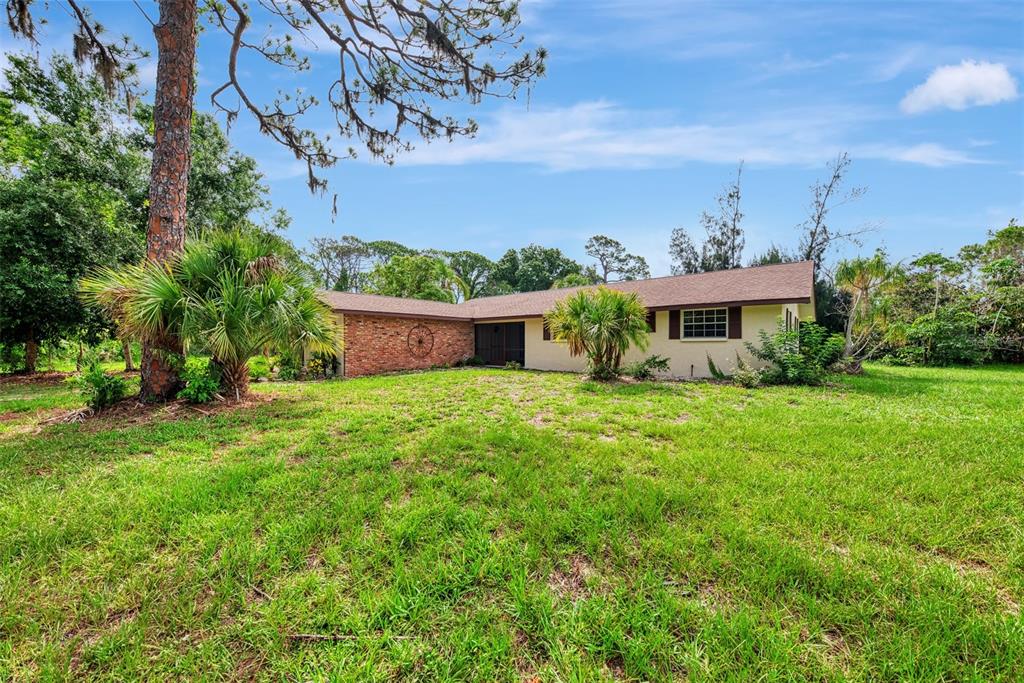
(132, 411)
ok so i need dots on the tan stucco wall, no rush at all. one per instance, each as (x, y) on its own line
(688, 358)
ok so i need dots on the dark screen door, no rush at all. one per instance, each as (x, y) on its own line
(499, 343)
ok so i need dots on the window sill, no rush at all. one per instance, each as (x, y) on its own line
(707, 339)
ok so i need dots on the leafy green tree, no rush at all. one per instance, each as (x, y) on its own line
(575, 280)
(946, 336)
(414, 277)
(532, 268)
(600, 324)
(772, 256)
(229, 294)
(71, 197)
(58, 126)
(613, 260)
(382, 251)
(473, 271)
(51, 232)
(996, 273)
(939, 270)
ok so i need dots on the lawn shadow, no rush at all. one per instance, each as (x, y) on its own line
(104, 441)
(887, 382)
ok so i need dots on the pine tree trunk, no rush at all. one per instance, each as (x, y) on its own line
(31, 355)
(172, 156)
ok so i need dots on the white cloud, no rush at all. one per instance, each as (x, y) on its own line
(969, 84)
(602, 135)
(926, 154)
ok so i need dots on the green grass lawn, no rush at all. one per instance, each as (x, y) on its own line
(497, 525)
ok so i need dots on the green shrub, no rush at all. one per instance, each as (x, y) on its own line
(745, 375)
(100, 389)
(473, 361)
(513, 365)
(289, 367)
(202, 381)
(645, 369)
(947, 337)
(259, 367)
(715, 371)
(803, 356)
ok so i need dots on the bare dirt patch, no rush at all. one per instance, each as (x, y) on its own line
(572, 583)
(540, 420)
(35, 379)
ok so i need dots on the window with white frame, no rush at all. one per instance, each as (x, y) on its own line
(705, 323)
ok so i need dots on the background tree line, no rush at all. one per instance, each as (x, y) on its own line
(392, 269)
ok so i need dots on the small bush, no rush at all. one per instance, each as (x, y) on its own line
(645, 369)
(316, 368)
(803, 356)
(473, 361)
(715, 371)
(745, 375)
(289, 367)
(513, 365)
(259, 368)
(100, 389)
(202, 381)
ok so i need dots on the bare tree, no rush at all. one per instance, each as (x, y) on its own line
(817, 233)
(723, 248)
(394, 61)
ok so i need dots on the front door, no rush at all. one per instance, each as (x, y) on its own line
(500, 343)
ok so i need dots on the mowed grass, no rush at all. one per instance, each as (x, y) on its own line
(497, 525)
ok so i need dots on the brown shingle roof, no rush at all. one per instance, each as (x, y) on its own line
(787, 282)
(350, 302)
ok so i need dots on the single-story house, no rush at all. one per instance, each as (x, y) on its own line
(691, 317)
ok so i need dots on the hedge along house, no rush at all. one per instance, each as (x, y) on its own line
(691, 318)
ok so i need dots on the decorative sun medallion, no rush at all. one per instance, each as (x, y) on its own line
(421, 341)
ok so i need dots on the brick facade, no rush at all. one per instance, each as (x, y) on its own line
(375, 344)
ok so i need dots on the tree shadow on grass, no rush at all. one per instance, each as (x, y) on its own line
(58, 451)
(883, 381)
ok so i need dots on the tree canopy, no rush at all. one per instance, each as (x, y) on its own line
(614, 262)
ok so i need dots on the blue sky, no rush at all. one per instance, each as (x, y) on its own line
(647, 108)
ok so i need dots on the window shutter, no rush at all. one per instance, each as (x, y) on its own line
(735, 322)
(651, 320)
(547, 331)
(673, 324)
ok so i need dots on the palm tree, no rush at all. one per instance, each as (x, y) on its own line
(601, 324)
(862, 278)
(229, 294)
